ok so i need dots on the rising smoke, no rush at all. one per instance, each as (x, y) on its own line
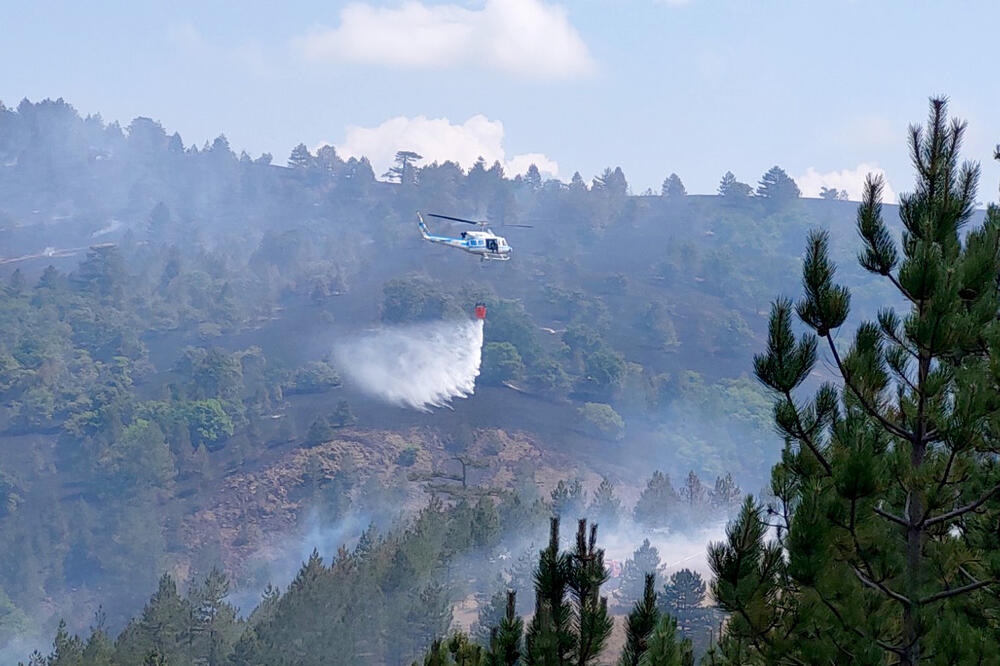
(278, 563)
(418, 365)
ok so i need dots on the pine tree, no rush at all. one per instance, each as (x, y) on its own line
(749, 576)
(549, 640)
(657, 502)
(644, 561)
(832, 194)
(505, 638)
(464, 652)
(640, 624)
(485, 528)
(437, 655)
(429, 615)
(16, 283)
(777, 187)
(163, 629)
(612, 182)
(665, 648)
(695, 496)
(586, 576)
(248, 647)
(532, 178)
(216, 627)
(568, 498)
(694, 492)
(731, 188)
(672, 188)
(489, 617)
(726, 495)
(36, 658)
(99, 650)
(343, 416)
(683, 599)
(886, 497)
(605, 507)
(404, 171)
(328, 160)
(319, 432)
(684, 596)
(300, 158)
(367, 541)
(67, 650)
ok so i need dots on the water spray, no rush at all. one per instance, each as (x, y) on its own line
(420, 366)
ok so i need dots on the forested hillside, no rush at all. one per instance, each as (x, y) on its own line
(167, 321)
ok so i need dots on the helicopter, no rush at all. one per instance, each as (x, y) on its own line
(484, 243)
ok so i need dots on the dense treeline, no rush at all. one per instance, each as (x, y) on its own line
(166, 313)
(164, 332)
(76, 373)
(393, 593)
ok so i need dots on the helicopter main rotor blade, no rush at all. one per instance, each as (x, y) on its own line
(456, 219)
(523, 226)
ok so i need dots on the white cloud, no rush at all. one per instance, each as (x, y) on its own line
(523, 37)
(851, 180)
(520, 163)
(438, 139)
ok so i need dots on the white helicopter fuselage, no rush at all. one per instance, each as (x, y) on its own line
(485, 244)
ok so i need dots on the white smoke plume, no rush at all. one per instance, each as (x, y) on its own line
(681, 549)
(418, 365)
(278, 564)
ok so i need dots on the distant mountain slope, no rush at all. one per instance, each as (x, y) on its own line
(144, 383)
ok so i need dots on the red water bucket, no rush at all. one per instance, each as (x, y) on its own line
(480, 311)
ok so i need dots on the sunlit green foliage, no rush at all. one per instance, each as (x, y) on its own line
(884, 504)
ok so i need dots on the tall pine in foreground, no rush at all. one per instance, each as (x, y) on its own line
(640, 624)
(549, 640)
(505, 639)
(665, 646)
(587, 574)
(886, 506)
(571, 623)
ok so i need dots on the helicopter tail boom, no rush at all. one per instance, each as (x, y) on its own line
(444, 240)
(423, 227)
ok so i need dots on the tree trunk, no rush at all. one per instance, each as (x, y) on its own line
(915, 530)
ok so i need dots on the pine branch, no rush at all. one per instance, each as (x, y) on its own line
(972, 506)
(848, 627)
(955, 591)
(888, 323)
(881, 587)
(896, 283)
(947, 468)
(805, 437)
(868, 579)
(894, 518)
(886, 423)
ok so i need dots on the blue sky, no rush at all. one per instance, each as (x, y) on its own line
(823, 89)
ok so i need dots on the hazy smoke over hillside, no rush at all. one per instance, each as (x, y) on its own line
(419, 365)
